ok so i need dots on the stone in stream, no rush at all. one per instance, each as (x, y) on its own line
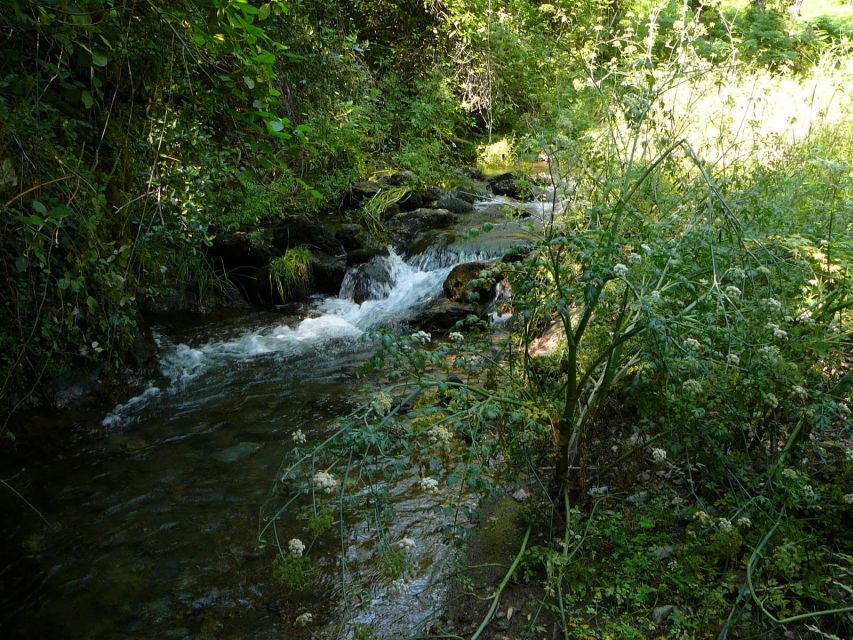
(465, 284)
(454, 205)
(406, 227)
(360, 256)
(444, 314)
(506, 184)
(369, 281)
(237, 452)
(419, 199)
(351, 236)
(361, 191)
(327, 273)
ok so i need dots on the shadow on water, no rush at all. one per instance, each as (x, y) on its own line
(153, 519)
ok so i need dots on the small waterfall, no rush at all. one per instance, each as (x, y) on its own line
(400, 291)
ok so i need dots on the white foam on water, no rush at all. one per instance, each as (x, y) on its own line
(333, 319)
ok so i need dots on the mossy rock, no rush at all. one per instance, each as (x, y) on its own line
(466, 283)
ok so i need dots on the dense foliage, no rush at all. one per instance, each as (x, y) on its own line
(693, 280)
(673, 388)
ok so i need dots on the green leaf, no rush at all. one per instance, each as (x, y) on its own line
(38, 207)
(87, 99)
(249, 82)
(276, 125)
(264, 11)
(21, 263)
(99, 59)
(264, 58)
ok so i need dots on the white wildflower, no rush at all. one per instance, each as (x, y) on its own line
(407, 544)
(733, 359)
(655, 296)
(732, 291)
(724, 524)
(799, 391)
(806, 316)
(634, 258)
(296, 547)
(440, 434)
(430, 485)
(702, 517)
(770, 400)
(299, 436)
(421, 336)
(848, 498)
(693, 387)
(769, 351)
(790, 474)
(325, 482)
(620, 270)
(399, 587)
(777, 332)
(382, 404)
(304, 620)
(763, 270)
(658, 455)
(772, 303)
(646, 249)
(692, 343)
(455, 336)
(744, 522)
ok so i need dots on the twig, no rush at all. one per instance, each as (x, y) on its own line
(501, 587)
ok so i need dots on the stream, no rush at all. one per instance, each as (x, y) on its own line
(151, 510)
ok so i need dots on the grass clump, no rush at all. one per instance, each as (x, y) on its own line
(290, 272)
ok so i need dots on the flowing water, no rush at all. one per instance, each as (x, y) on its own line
(148, 518)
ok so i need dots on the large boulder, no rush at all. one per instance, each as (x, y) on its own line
(454, 205)
(361, 191)
(467, 283)
(327, 273)
(420, 199)
(360, 256)
(351, 236)
(444, 314)
(406, 227)
(468, 195)
(302, 231)
(238, 249)
(400, 178)
(506, 184)
(369, 281)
